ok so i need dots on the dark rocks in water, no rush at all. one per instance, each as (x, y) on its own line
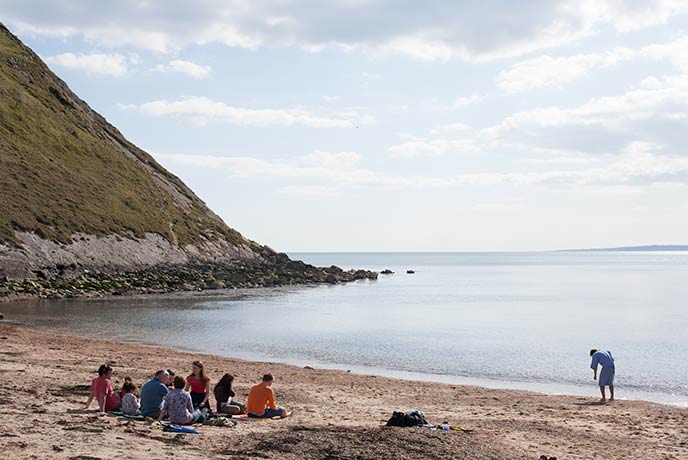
(386, 271)
(410, 272)
(198, 276)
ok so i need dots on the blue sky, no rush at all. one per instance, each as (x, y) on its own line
(361, 125)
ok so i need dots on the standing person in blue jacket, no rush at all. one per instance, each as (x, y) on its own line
(606, 360)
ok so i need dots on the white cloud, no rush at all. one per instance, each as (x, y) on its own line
(127, 107)
(603, 125)
(508, 205)
(464, 101)
(456, 104)
(309, 190)
(434, 147)
(546, 71)
(339, 160)
(640, 165)
(93, 64)
(202, 110)
(627, 16)
(432, 30)
(562, 160)
(450, 127)
(557, 72)
(676, 51)
(185, 67)
(420, 48)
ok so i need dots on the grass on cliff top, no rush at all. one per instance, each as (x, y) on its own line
(61, 173)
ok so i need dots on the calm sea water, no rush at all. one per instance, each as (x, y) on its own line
(509, 320)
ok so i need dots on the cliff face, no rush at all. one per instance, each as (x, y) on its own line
(75, 193)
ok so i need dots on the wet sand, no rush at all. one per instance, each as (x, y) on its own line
(44, 382)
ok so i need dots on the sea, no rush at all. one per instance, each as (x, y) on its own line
(516, 320)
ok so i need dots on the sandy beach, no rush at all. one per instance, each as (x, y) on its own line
(44, 382)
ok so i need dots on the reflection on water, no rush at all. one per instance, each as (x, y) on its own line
(507, 320)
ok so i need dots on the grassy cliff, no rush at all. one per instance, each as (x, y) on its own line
(64, 169)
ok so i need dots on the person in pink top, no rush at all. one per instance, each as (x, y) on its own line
(101, 391)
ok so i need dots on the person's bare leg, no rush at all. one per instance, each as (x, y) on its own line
(611, 392)
(604, 395)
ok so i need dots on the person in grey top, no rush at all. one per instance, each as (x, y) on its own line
(606, 360)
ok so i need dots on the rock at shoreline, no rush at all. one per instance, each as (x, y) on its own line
(386, 271)
(197, 276)
(410, 272)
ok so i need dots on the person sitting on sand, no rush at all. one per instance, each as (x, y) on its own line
(224, 396)
(130, 403)
(606, 360)
(199, 384)
(178, 406)
(152, 394)
(122, 390)
(261, 400)
(170, 379)
(101, 391)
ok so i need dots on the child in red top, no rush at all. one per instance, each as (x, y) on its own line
(199, 384)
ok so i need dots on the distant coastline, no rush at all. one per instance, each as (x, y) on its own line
(648, 248)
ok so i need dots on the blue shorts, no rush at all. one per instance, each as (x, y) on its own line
(606, 376)
(269, 413)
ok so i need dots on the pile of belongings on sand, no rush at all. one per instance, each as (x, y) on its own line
(416, 417)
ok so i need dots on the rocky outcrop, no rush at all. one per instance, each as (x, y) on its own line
(75, 281)
(83, 211)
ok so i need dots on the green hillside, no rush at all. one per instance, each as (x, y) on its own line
(64, 169)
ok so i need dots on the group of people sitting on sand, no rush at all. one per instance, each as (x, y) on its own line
(182, 401)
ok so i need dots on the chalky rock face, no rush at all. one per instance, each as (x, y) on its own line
(84, 211)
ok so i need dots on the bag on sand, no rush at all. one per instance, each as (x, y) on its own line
(411, 418)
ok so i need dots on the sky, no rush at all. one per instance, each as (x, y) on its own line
(380, 125)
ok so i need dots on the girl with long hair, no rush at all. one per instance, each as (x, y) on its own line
(199, 384)
(224, 396)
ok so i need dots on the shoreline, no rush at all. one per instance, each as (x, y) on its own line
(544, 388)
(336, 413)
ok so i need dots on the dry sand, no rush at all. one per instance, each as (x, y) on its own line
(337, 415)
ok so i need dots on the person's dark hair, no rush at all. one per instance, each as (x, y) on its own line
(170, 372)
(225, 382)
(179, 383)
(103, 369)
(268, 377)
(201, 374)
(593, 351)
(160, 373)
(129, 387)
